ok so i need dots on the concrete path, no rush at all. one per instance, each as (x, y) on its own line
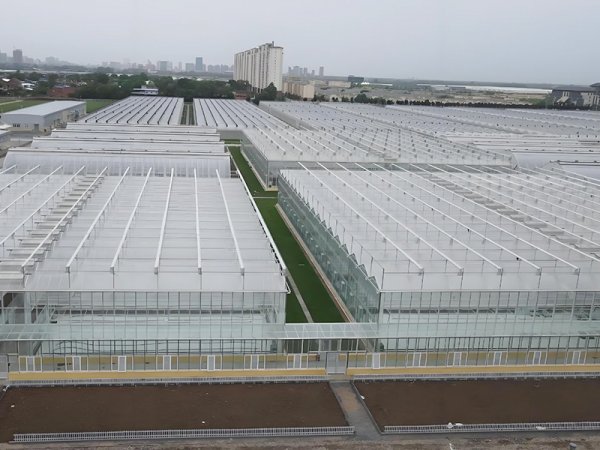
(355, 411)
(300, 299)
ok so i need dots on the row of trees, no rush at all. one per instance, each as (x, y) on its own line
(103, 85)
(268, 94)
(362, 98)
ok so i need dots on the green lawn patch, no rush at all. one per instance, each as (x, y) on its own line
(19, 105)
(293, 310)
(318, 301)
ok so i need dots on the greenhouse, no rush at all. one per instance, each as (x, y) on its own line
(271, 150)
(145, 145)
(117, 162)
(528, 121)
(127, 243)
(95, 256)
(140, 111)
(127, 147)
(232, 114)
(507, 250)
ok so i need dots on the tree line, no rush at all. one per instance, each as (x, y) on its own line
(102, 85)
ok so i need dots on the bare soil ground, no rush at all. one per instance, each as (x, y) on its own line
(210, 406)
(481, 401)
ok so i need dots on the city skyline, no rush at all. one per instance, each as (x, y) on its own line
(510, 41)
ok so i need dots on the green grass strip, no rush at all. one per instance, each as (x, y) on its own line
(94, 105)
(20, 104)
(318, 301)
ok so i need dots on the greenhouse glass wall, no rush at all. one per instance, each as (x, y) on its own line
(425, 255)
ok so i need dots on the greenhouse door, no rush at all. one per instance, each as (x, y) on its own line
(336, 363)
(3, 366)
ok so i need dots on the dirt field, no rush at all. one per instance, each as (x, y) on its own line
(481, 401)
(73, 409)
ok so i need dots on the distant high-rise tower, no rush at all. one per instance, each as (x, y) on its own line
(162, 66)
(199, 64)
(260, 66)
(18, 56)
(321, 71)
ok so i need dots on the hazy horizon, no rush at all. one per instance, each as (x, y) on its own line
(527, 41)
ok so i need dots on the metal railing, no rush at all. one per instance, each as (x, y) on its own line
(183, 434)
(474, 375)
(139, 381)
(492, 427)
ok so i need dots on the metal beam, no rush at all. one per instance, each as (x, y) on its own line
(131, 216)
(98, 216)
(164, 224)
(231, 228)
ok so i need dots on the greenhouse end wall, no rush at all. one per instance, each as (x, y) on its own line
(358, 292)
(332, 355)
(108, 313)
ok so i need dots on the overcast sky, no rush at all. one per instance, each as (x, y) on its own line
(552, 41)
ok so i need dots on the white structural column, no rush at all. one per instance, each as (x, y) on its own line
(32, 188)
(197, 220)
(60, 221)
(366, 220)
(457, 222)
(497, 189)
(19, 178)
(164, 224)
(92, 226)
(131, 216)
(39, 208)
(8, 169)
(496, 213)
(231, 228)
(421, 217)
(417, 236)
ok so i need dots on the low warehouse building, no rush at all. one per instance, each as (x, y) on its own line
(42, 118)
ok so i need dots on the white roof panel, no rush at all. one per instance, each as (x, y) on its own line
(45, 109)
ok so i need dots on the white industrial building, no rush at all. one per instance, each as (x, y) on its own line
(260, 66)
(43, 118)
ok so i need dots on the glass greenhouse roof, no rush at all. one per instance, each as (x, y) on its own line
(140, 111)
(453, 228)
(157, 232)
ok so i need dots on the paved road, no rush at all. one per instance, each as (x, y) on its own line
(354, 410)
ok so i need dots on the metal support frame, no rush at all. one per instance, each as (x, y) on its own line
(231, 228)
(377, 230)
(46, 178)
(129, 222)
(197, 220)
(164, 224)
(19, 178)
(81, 197)
(91, 227)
